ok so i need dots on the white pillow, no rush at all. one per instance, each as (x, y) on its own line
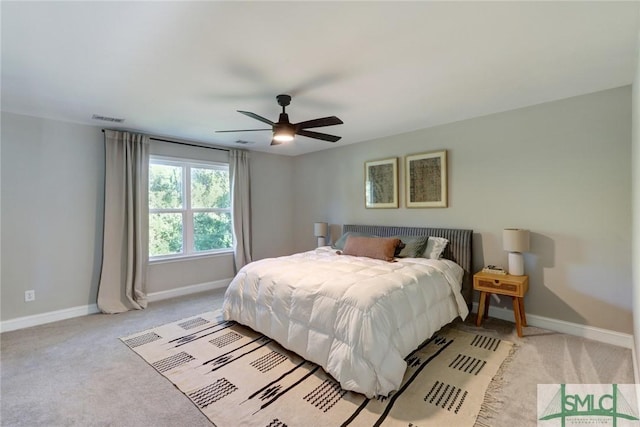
(435, 247)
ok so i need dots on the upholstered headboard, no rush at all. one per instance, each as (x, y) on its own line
(459, 248)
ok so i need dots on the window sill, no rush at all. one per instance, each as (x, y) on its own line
(190, 257)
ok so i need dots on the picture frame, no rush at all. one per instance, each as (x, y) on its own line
(426, 180)
(381, 183)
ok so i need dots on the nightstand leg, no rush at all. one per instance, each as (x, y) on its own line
(483, 297)
(487, 303)
(522, 312)
(516, 314)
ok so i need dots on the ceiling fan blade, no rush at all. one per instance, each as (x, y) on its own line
(274, 142)
(318, 135)
(240, 130)
(257, 117)
(316, 123)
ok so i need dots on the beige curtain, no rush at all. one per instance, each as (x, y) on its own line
(240, 206)
(126, 217)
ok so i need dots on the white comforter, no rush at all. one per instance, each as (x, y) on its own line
(356, 317)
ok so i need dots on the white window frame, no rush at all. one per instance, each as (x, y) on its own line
(188, 240)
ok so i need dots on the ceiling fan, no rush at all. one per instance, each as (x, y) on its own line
(284, 131)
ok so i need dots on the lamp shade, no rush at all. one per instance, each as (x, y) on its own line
(320, 229)
(515, 240)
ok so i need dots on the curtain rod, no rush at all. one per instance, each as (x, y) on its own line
(186, 143)
(189, 144)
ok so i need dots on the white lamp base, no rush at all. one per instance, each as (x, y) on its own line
(516, 264)
(322, 241)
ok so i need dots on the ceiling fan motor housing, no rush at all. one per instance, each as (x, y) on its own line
(283, 100)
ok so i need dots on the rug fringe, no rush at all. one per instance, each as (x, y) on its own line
(492, 403)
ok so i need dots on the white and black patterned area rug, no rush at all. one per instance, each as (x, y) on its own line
(238, 377)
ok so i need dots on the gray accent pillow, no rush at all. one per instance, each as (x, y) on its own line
(414, 246)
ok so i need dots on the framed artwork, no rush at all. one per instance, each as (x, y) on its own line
(426, 180)
(381, 183)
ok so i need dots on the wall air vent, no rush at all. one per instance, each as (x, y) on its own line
(243, 142)
(107, 119)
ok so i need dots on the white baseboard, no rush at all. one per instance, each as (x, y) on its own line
(188, 290)
(598, 334)
(590, 332)
(51, 316)
(84, 310)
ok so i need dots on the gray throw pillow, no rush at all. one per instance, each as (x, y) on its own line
(413, 246)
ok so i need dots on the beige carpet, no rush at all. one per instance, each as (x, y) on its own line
(237, 376)
(76, 372)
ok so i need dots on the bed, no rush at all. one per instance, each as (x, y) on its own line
(356, 317)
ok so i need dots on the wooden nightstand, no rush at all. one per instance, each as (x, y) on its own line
(502, 284)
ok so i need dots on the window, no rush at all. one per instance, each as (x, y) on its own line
(189, 208)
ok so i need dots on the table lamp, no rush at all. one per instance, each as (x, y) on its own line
(515, 241)
(320, 230)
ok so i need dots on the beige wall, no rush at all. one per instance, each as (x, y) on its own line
(560, 169)
(52, 202)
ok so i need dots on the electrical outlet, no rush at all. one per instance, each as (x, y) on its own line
(29, 296)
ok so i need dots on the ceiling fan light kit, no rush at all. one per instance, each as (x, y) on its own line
(285, 131)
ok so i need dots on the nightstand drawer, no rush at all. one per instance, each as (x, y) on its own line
(496, 285)
(515, 286)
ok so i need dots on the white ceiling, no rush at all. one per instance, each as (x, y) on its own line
(182, 69)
